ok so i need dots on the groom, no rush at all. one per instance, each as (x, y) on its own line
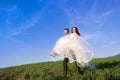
(65, 67)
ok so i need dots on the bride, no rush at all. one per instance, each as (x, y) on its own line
(74, 47)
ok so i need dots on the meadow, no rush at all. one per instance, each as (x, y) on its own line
(106, 69)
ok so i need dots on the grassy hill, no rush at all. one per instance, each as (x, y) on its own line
(106, 69)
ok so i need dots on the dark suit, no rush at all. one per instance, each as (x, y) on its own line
(65, 67)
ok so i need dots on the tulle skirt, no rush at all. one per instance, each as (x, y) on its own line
(73, 47)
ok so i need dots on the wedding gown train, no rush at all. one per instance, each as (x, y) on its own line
(73, 47)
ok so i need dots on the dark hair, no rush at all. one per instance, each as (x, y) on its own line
(66, 29)
(77, 31)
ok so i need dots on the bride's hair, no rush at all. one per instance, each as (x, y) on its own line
(77, 31)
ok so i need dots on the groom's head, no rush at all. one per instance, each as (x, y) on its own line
(66, 31)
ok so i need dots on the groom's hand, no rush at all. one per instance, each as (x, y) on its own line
(53, 53)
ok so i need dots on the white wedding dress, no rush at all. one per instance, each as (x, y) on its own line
(73, 47)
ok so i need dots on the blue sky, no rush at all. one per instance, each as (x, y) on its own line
(30, 28)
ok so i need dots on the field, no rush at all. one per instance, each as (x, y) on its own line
(106, 69)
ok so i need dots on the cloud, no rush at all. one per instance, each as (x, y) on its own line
(9, 8)
(90, 17)
(25, 26)
(110, 43)
(92, 36)
(8, 11)
(1, 35)
(39, 1)
(100, 19)
(63, 1)
(8, 22)
(107, 13)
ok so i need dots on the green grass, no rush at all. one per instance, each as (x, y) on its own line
(106, 69)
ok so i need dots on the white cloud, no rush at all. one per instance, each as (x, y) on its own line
(25, 26)
(39, 1)
(1, 35)
(109, 44)
(63, 1)
(90, 18)
(100, 19)
(8, 22)
(107, 13)
(92, 36)
(9, 9)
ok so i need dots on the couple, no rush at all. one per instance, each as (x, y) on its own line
(74, 48)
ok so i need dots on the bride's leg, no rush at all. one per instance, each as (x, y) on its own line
(78, 67)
